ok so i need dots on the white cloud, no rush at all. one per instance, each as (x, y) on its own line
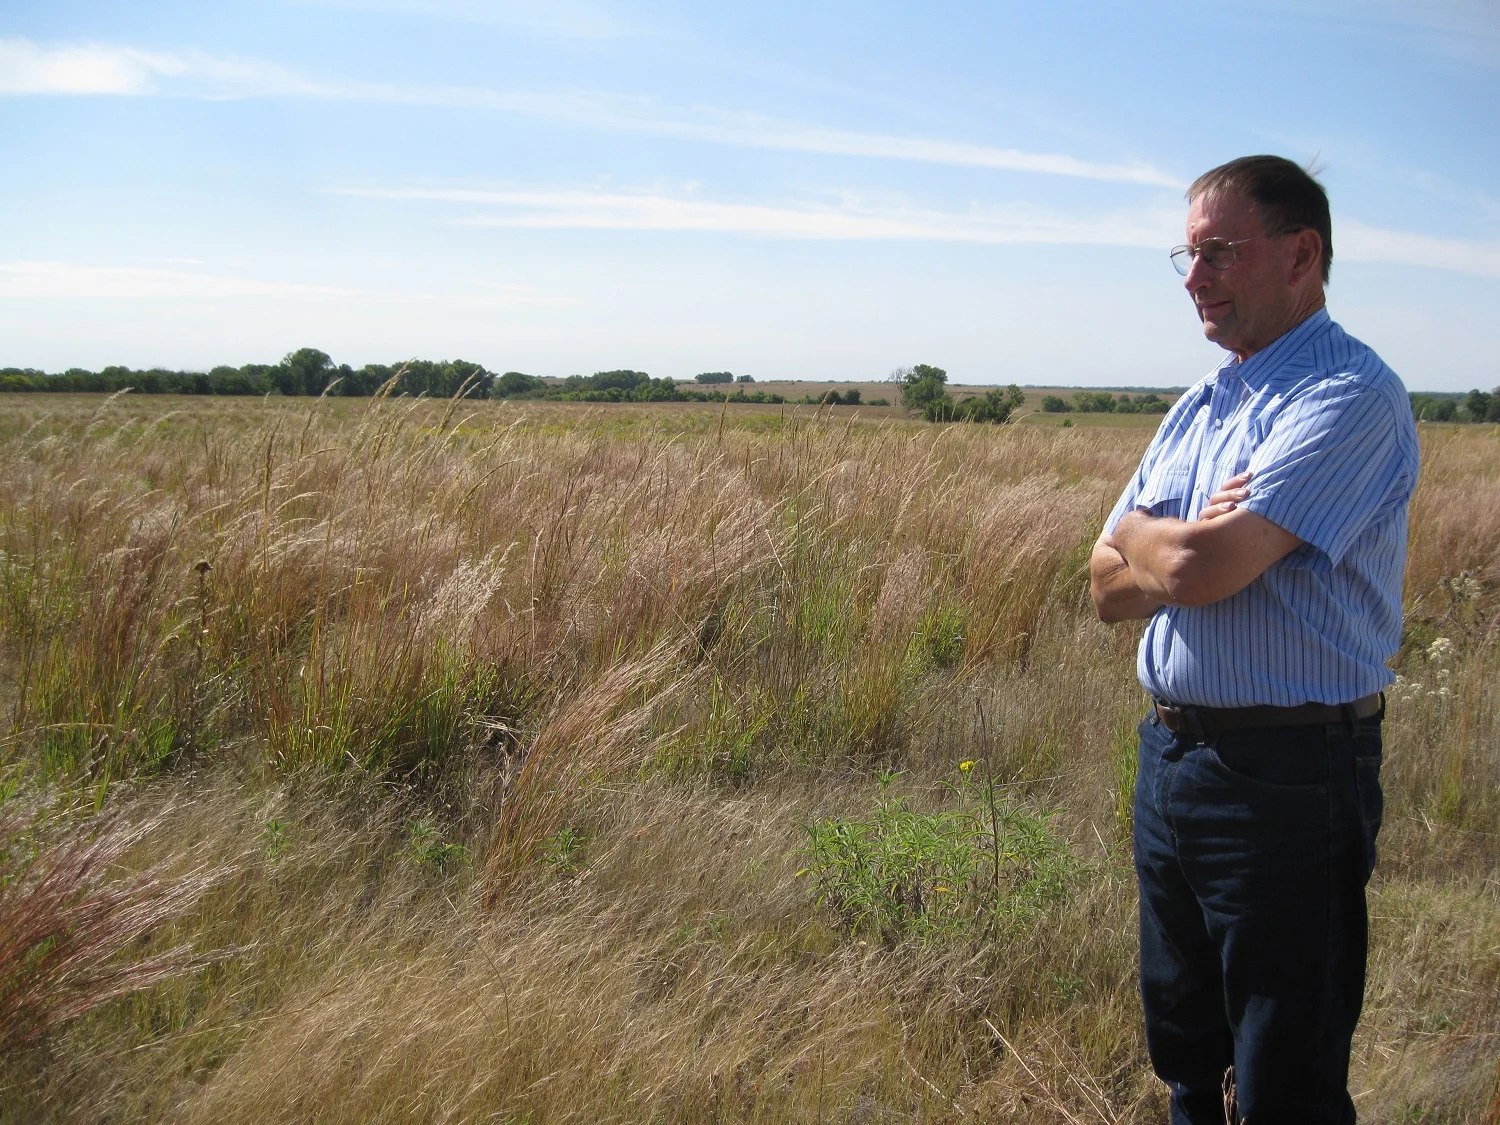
(1355, 242)
(26, 68)
(72, 281)
(751, 131)
(846, 220)
(570, 19)
(99, 69)
(854, 219)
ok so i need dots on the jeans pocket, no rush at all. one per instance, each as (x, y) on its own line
(1285, 760)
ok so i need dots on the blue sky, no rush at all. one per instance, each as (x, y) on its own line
(788, 190)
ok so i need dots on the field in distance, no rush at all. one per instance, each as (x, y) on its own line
(1030, 411)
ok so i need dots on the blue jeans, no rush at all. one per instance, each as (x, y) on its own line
(1253, 849)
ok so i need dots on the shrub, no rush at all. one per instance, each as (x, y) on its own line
(963, 872)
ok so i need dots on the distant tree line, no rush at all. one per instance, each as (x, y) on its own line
(623, 386)
(309, 371)
(1102, 402)
(1476, 406)
(306, 371)
(924, 388)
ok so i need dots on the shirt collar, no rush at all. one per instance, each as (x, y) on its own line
(1258, 370)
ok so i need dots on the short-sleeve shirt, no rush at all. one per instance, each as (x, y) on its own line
(1326, 428)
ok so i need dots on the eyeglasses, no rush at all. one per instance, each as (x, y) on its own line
(1219, 253)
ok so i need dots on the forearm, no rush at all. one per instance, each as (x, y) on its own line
(1202, 562)
(1160, 558)
(1117, 596)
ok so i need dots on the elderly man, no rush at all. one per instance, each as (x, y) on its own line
(1264, 537)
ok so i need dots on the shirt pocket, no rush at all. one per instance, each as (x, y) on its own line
(1166, 492)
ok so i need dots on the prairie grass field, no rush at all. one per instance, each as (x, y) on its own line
(390, 760)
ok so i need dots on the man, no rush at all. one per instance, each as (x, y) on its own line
(1264, 536)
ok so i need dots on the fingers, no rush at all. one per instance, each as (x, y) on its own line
(1229, 496)
(1231, 492)
(1213, 511)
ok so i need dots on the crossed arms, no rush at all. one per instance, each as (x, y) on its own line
(1152, 561)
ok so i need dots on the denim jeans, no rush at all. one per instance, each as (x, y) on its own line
(1253, 849)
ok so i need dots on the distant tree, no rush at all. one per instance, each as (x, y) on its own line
(744, 378)
(1482, 407)
(923, 388)
(714, 377)
(1055, 404)
(1151, 403)
(622, 380)
(514, 383)
(851, 397)
(306, 371)
(995, 405)
(1094, 402)
(236, 381)
(1431, 408)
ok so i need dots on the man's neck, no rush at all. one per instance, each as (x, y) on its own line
(1305, 307)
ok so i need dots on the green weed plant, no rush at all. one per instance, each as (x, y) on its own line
(981, 866)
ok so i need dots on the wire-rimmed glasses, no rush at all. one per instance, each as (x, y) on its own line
(1220, 253)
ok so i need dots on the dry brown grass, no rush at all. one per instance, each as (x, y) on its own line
(622, 656)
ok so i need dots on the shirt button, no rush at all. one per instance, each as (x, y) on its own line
(1218, 423)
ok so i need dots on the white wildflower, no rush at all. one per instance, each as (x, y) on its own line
(1404, 690)
(1440, 650)
(1463, 588)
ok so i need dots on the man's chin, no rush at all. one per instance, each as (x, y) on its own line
(1216, 332)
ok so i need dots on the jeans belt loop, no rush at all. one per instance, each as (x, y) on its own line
(1192, 723)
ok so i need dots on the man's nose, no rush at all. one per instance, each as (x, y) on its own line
(1199, 275)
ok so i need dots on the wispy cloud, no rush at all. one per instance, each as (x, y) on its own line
(26, 68)
(752, 131)
(100, 69)
(1355, 242)
(853, 218)
(849, 219)
(72, 280)
(569, 19)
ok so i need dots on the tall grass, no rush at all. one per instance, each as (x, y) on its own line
(619, 660)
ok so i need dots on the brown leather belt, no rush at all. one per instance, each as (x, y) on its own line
(1205, 721)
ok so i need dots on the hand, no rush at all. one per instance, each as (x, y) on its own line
(1228, 498)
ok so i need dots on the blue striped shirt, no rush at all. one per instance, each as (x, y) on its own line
(1326, 428)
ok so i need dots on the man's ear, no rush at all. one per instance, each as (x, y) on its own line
(1309, 254)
